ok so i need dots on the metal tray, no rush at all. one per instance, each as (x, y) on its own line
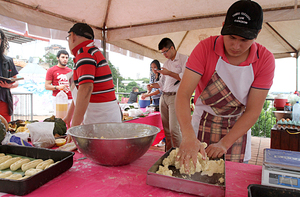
(23, 187)
(196, 184)
(255, 190)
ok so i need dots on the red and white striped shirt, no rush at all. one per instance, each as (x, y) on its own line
(92, 67)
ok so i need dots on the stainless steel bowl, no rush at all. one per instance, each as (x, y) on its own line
(283, 114)
(113, 144)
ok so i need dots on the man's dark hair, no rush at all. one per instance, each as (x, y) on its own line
(165, 43)
(134, 88)
(62, 52)
(4, 45)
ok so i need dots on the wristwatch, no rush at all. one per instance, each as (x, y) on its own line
(55, 88)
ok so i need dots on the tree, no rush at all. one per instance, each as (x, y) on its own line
(130, 86)
(52, 60)
(117, 78)
(265, 122)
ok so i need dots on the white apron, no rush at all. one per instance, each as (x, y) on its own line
(239, 84)
(99, 112)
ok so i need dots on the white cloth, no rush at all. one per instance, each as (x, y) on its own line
(166, 83)
(239, 84)
(100, 112)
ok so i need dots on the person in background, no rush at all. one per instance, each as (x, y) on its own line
(172, 72)
(232, 75)
(94, 99)
(133, 95)
(155, 92)
(8, 70)
(56, 78)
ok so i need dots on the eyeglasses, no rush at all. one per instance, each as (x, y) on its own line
(164, 52)
(67, 38)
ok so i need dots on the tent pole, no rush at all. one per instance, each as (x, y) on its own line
(104, 42)
(297, 56)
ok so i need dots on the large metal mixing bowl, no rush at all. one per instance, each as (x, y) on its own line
(113, 144)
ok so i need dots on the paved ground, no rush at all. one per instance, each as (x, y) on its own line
(258, 144)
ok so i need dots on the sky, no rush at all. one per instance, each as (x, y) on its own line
(284, 78)
(128, 67)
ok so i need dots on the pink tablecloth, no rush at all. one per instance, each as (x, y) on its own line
(86, 178)
(153, 119)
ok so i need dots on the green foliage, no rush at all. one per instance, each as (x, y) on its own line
(265, 122)
(52, 60)
(130, 86)
(117, 78)
(146, 80)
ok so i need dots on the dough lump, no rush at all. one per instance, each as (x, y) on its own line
(207, 167)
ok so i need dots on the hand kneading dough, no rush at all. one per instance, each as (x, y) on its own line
(208, 167)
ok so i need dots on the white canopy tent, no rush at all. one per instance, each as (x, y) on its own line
(139, 25)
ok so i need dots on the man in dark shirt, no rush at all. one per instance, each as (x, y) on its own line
(133, 95)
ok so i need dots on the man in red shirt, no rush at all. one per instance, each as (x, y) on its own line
(56, 78)
(94, 99)
(232, 75)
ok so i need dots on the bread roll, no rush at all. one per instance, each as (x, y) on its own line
(31, 164)
(5, 174)
(43, 164)
(14, 176)
(32, 172)
(8, 162)
(4, 158)
(15, 166)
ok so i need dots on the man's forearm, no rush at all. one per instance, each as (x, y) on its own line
(174, 75)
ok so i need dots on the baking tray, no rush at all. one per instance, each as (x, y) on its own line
(255, 190)
(23, 187)
(197, 184)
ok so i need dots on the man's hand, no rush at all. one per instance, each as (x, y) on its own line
(164, 71)
(216, 150)
(149, 88)
(188, 150)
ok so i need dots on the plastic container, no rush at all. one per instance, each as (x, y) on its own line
(61, 104)
(280, 101)
(144, 102)
(288, 106)
(296, 112)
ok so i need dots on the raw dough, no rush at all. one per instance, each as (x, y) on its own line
(208, 167)
(5, 174)
(32, 172)
(164, 170)
(14, 176)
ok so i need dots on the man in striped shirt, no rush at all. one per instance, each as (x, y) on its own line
(94, 99)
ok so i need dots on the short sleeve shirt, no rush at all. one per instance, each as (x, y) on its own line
(204, 58)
